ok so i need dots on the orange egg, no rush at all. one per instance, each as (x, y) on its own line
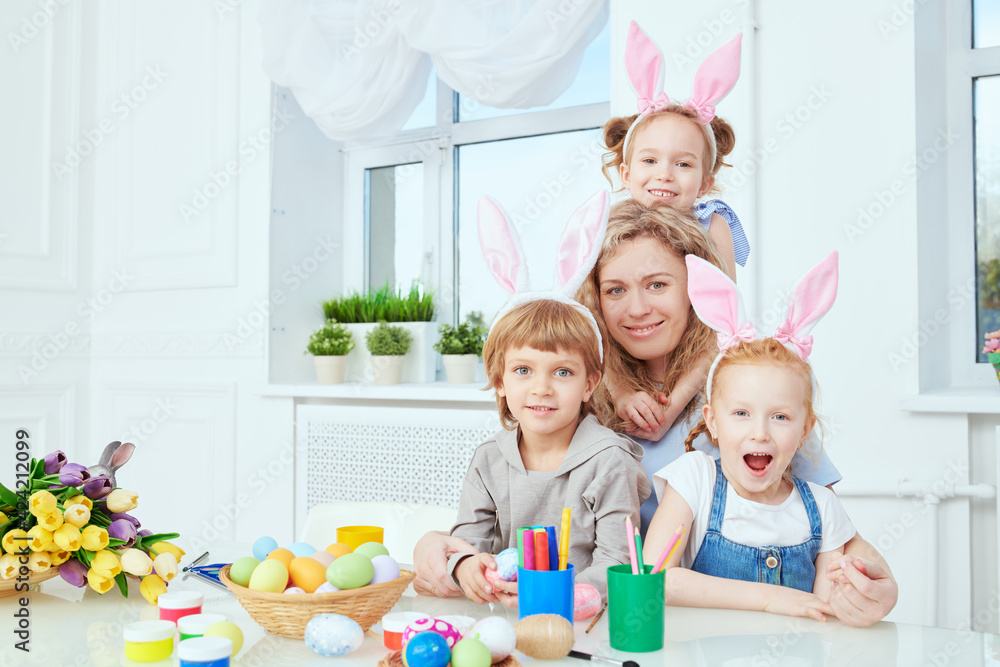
(338, 549)
(307, 573)
(284, 555)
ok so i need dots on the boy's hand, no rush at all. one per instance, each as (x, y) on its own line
(430, 559)
(645, 412)
(471, 575)
(507, 592)
(792, 602)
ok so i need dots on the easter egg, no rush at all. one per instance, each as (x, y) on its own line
(350, 571)
(263, 546)
(333, 635)
(426, 649)
(416, 627)
(448, 631)
(323, 557)
(301, 549)
(586, 601)
(544, 636)
(470, 653)
(326, 587)
(284, 555)
(293, 590)
(372, 549)
(307, 573)
(461, 623)
(506, 562)
(230, 631)
(338, 549)
(497, 634)
(386, 569)
(242, 568)
(271, 576)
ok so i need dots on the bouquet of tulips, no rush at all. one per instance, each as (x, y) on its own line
(992, 350)
(62, 516)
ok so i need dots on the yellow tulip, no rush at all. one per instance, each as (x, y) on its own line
(14, 541)
(107, 561)
(41, 502)
(161, 547)
(39, 561)
(100, 580)
(39, 539)
(165, 565)
(121, 500)
(152, 587)
(8, 566)
(67, 536)
(59, 557)
(80, 500)
(137, 562)
(51, 521)
(78, 515)
(94, 538)
(3, 518)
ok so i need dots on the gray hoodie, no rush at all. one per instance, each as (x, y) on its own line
(601, 480)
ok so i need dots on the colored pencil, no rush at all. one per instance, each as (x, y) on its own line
(541, 550)
(669, 550)
(564, 539)
(630, 538)
(529, 549)
(638, 553)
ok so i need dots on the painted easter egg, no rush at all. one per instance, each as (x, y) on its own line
(333, 635)
(350, 571)
(449, 632)
(338, 549)
(426, 649)
(372, 549)
(241, 570)
(497, 634)
(470, 653)
(307, 574)
(293, 590)
(230, 631)
(586, 601)
(461, 623)
(326, 587)
(324, 557)
(301, 549)
(506, 562)
(263, 546)
(271, 576)
(386, 569)
(544, 636)
(284, 555)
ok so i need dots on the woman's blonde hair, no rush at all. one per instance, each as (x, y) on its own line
(545, 325)
(680, 234)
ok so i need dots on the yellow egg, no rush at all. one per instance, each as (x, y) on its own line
(307, 573)
(284, 555)
(230, 631)
(271, 576)
(338, 549)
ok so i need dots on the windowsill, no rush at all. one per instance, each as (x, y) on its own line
(427, 391)
(969, 400)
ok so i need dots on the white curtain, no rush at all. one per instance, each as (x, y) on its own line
(360, 67)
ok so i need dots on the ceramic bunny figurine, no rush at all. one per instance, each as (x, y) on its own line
(114, 457)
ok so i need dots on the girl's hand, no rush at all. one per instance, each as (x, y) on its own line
(645, 413)
(792, 602)
(507, 592)
(471, 575)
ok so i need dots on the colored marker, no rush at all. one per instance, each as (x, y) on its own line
(520, 547)
(564, 539)
(630, 540)
(541, 550)
(529, 549)
(550, 532)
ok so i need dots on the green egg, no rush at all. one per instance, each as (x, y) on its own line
(372, 549)
(470, 653)
(241, 570)
(351, 570)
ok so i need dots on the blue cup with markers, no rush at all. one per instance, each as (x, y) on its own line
(545, 592)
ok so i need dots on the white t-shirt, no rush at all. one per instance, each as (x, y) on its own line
(745, 521)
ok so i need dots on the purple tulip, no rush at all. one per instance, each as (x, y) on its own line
(74, 572)
(73, 474)
(144, 533)
(54, 462)
(96, 488)
(115, 516)
(122, 530)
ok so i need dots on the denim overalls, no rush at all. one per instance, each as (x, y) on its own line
(794, 566)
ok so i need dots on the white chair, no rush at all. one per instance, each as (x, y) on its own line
(403, 523)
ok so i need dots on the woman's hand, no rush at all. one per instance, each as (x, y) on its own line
(863, 591)
(430, 563)
(645, 412)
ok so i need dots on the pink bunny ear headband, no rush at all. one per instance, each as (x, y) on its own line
(715, 78)
(719, 305)
(578, 250)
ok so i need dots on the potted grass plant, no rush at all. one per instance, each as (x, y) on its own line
(388, 344)
(460, 349)
(412, 310)
(329, 346)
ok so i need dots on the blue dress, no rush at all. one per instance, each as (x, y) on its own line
(704, 211)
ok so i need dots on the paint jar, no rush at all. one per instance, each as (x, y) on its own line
(545, 592)
(149, 641)
(195, 625)
(205, 652)
(393, 626)
(177, 605)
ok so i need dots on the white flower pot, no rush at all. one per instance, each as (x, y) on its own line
(330, 369)
(387, 369)
(460, 368)
(419, 364)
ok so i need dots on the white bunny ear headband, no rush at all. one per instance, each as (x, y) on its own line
(715, 78)
(578, 250)
(719, 305)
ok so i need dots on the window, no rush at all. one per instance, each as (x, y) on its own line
(986, 93)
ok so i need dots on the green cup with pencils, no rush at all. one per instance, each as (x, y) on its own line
(635, 608)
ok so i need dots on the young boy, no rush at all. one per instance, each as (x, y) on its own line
(543, 359)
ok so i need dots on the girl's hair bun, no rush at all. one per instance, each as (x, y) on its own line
(725, 141)
(614, 141)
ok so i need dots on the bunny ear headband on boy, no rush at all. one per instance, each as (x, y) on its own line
(718, 303)
(578, 250)
(715, 78)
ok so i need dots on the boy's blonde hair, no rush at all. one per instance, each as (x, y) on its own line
(545, 325)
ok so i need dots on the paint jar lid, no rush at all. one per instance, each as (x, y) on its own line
(149, 631)
(397, 621)
(180, 600)
(196, 624)
(205, 649)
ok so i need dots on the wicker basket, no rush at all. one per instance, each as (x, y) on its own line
(9, 586)
(287, 615)
(395, 659)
